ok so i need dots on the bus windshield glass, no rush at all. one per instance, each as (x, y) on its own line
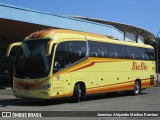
(32, 61)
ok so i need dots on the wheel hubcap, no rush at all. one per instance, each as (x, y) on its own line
(79, 93)
(137, 89)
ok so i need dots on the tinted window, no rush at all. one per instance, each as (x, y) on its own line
(74, 51)
(140, 53)
(68, 53)
(31, 60)
(60, 56)
(117, 51)
(98, 49)
(149, 54)
(134, 52)
(105, 50)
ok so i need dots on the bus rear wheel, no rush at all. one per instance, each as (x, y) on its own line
(77, 93)
(137, 88)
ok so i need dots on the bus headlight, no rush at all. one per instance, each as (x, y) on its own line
(45, 87)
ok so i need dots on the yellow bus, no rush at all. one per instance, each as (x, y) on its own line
(57, 63)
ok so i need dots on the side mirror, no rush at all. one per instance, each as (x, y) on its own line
(11, 46)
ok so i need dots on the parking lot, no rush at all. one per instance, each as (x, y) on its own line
(148, 100)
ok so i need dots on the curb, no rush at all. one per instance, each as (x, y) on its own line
(5, 88)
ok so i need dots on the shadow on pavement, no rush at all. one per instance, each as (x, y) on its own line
(110, 95)
(37, 102)
(31, 102)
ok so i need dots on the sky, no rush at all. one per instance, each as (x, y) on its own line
(141, 13)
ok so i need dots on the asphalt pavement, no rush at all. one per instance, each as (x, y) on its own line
(148, 100)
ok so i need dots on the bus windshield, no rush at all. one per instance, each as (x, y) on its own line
(32, 61)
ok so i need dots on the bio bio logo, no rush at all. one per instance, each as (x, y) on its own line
(139, 66)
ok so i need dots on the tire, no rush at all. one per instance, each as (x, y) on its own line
(83, 94)
(137, 88)
(77, 93)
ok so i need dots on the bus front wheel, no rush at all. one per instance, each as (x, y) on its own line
(77, 93)
(137, 88)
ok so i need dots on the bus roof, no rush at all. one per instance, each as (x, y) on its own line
(60, 35)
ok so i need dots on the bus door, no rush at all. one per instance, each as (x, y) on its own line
(58, 70)
(58, 84)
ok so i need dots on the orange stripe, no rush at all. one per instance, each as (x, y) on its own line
(91, 61)
(108, 89)
(117, 87)
(63, 95)
(85, 64)
(83, 67)
(40, 34)
(120, 83)
(90, 64)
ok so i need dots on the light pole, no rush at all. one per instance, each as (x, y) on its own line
(157, 44)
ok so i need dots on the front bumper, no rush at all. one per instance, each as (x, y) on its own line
(38, 94)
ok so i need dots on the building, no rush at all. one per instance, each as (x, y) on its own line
(131, 33)
(17, 23)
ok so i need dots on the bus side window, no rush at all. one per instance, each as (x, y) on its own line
(76, 50)
(133, 52)
(94, 52)
(146, 57)
(142, 54)
(149, 54)
(68, 53)
(130, 56)
(100, 53)
(113, 54)
(59, 59)
(98, 49)
(117, 51)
